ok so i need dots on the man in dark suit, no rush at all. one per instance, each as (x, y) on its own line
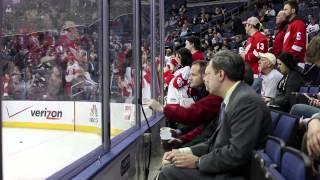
(245, 123)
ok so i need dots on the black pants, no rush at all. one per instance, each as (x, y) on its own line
(173, 173)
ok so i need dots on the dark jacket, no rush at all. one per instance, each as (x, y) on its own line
(287, 85)
(195, 136)
(245, 127)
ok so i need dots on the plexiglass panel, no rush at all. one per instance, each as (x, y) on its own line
(158, 74)
(51, 101)
(146, 48)
(123, 71)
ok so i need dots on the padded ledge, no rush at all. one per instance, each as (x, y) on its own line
(116, 150)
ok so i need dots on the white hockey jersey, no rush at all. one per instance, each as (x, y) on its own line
(178, 86)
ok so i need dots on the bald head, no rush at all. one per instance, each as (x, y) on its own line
(281, 17)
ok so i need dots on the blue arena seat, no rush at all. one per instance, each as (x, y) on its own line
(271, 173)
(295, 165)
(272, 152)
(313, 90)
(270, 156)
(304, 89)
(286, 128)
(275, 115)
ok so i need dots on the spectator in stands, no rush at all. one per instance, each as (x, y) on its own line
(182, 9)
(202, 11)
(237, 42)
(204, 43)
(302, 5)
(178, 86)
(255, 44)
(313, 27)
(279, 35)
(313, 3)
(313, 53)
(184, 30)
(207, 17)
(225, 44)
(172, 21)
(212, 125)
(168, 55)
(203, 111)
(313, 136)
(290, 82)
(195, 20)
(174, 10)
(244, 125)
(217, 12)
(270, 11)
(270, 76)
(210, 32)
(15, 84)
(295, 38)
(216, 39)
(312, 56)
(54, 84)
(203, 19)
(263, 13)
(236, 25)
(8, 9)
(193, 45)
(209, 53)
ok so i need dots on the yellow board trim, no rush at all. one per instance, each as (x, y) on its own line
(90, 129)
(114, 131)
(65, 127)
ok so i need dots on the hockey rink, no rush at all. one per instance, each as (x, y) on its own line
(37, 153)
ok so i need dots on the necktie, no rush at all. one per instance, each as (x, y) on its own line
(222, 112)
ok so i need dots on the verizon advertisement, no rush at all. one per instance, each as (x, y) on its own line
(55, 112)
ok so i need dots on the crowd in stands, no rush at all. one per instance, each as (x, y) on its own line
(278, 44)
(54, 56)
(50, 65)
(48, 55)
(223, 73)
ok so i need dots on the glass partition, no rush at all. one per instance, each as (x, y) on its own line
(158, 73)
(51, 57)
(146, 55)
(51, 101)
(122, 70)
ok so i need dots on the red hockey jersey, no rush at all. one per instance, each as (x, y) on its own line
(255, 44)
(294, 40)
(278, 41)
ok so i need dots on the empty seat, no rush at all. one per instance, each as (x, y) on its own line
(270, 156)
(304, 89)
(295, 165)
(286, 128)
(271, 173)
(272, 152)
(275, 115)
(313, 90)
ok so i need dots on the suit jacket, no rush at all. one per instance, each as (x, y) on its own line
(245, 127)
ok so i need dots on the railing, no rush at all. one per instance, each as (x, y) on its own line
(82, 87)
